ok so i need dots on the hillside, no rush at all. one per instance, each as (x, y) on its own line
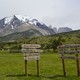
(26, 34)
(69, 37)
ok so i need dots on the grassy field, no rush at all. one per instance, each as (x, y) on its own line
(12, 67)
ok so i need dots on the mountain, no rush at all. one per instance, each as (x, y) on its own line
(55, 29)
(18, 23)
(64, 29)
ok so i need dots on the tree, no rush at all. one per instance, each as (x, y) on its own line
(55, 43)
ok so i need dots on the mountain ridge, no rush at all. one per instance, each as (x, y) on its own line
(62, 29)
(15, 23)
(19, 35)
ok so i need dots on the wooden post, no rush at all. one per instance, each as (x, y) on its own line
(26, 68)
(77, 61)
(38, 68)
(63, 66)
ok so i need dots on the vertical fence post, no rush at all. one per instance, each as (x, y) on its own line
(77, 61)
(26, 68)
(38, 70)
(63, 66)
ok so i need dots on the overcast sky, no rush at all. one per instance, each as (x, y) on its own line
(58, 13)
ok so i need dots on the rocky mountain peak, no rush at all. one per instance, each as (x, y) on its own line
(20, 23)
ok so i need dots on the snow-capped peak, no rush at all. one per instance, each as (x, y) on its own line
(23, 18)
(19, 17)
(8, 19)
(19, 23)
(17, 20)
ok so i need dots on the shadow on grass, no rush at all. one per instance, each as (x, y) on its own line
(17, 75)
(20, 75)
(55, 76)
(23, 75)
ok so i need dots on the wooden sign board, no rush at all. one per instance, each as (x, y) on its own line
(69, 46)
(26, 46)
(69, 49)
(31, 51)
(32, 58)
(69, 52)
(67, 57)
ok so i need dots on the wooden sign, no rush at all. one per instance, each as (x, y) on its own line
(67, 57)
(32, 56)
(66, 51)
(69, 52)
(26, 46)
(69, 46)
(26, 51)
(31, 52)
(69, 49)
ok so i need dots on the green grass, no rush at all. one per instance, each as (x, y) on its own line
(12, 67)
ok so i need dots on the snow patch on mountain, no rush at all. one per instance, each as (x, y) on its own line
(23, 18)
(12, 26)
(8, 19)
